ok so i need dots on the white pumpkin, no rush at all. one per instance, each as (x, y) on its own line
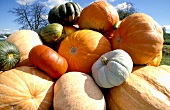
(112, 68)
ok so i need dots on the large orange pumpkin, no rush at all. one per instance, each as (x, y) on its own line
(82, 48)
(99, 16)
(139, 35)
(25, 88)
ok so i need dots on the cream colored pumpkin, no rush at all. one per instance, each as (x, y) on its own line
(25, 88)
(112, 68)
(77, 91)
(147, 88)
(25, 40)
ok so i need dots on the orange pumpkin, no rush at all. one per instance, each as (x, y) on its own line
(157, 60)
(99, 16)
(25, 88)
(140, 36)
(48, 60)
(82, 48)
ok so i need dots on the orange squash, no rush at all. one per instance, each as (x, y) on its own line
(82, 48)
(25, 88)
(99, 16)
(140, 36)
(48, 60)
(157, 60)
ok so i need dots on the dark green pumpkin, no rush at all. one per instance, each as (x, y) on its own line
(65, 14)
(9, 55)
(52, 34)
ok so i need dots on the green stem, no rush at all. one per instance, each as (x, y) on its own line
(104, 60)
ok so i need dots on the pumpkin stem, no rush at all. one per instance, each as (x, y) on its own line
(116, 25)
(104, 60)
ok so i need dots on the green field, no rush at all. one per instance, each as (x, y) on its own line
(166, 55)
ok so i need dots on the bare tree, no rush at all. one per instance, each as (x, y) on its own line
(30, 16)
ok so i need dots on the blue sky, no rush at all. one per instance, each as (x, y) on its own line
(157, 9)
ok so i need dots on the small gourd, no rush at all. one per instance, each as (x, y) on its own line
(112, 68)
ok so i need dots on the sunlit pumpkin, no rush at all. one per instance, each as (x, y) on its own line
(140, 36)
(99, 16)
(82, 48)
(48, 60)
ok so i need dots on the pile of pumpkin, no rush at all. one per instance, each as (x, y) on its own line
(85, 59)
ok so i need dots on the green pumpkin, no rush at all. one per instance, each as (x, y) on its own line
(112, 68)
(52, 34)
(65, 14)
(9, 55)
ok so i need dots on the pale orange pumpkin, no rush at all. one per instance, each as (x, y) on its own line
(25, 88)
(140, 36)
(25, 40)
(82, 48)
(99, 16)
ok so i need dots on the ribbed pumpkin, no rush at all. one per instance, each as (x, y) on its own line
(25, 40)
(48, 60)
(157, 60)
(65, 14)
(9, 55)
(25, 88)
(52, 34)
(77, 91)
(99, 16)
(112, 68)
(82, 48)
(147, 88)
(140, 36)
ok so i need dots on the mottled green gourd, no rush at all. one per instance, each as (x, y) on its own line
(65, 14)
(9, 55)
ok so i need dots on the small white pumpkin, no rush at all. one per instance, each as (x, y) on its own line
(112, 68)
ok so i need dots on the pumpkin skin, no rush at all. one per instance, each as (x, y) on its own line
(25, 40)
(77, 91)
(112, 68)
(9, 55)
(140, 36)
(157, 60)
(65, 14)
(52, 34)
(82, 48)
(25, 88)
(48, 60)
(147, 88)
(69, 29)
(99, 16)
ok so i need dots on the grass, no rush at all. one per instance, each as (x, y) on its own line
(166, 55)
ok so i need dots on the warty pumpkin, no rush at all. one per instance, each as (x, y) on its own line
(112, 68)
(140, 36)
(77, 91)
(25, 40)
(65, 14)
(48, 60)
(82, 48)
(25, 88)
(147, 88)
(99, 16)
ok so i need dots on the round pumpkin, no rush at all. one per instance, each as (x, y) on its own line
(52, 34)
(25, 40)
(147, 88)
(48, 60)
(9, 55)
(99, 16)
(112, 68)
(65, 14)
(82, 48)
(77, 91)
(25, 88)
(140, 36)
